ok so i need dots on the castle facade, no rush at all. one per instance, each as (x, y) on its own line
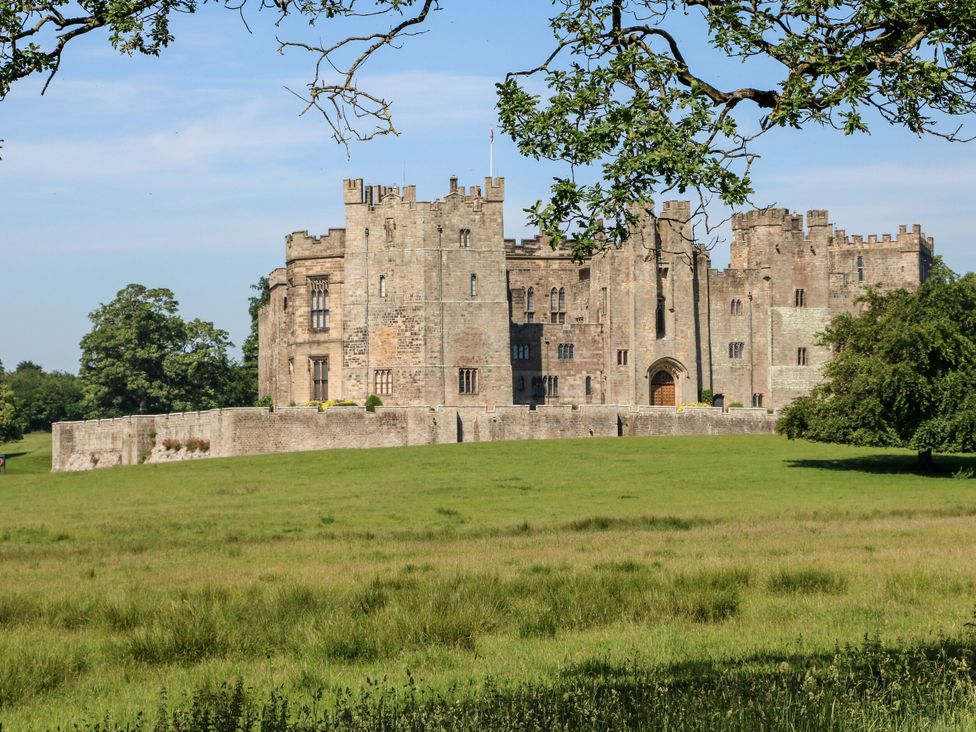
(427, 303)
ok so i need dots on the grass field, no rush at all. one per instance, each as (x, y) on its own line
(455, 564)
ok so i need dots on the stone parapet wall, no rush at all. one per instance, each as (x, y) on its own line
(250, 431)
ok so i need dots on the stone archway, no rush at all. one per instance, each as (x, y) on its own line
(665, 382)
(662, 389)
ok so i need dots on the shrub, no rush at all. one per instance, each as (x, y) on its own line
(192, 444)
(265, 401)
(170, 444)
(372, 402)
(735, 405)
(203, 445)
(322, 406)
(706, 396)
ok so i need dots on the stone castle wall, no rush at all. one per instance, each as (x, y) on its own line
(250, 431)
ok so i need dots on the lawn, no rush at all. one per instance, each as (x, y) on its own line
(458, 563)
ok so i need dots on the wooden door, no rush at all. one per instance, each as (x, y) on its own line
(662, 389)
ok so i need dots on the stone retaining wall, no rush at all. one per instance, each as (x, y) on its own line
(250, 431)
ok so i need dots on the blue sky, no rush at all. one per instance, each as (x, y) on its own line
(188, 170)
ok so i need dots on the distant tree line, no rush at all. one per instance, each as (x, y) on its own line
(140, 357)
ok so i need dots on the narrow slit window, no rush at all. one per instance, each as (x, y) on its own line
(801, 356)
(382, 285)
(474, 285)
(800, 298)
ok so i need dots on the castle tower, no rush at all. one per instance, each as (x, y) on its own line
(425, 294)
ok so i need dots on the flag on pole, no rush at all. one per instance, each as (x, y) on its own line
(491, 152)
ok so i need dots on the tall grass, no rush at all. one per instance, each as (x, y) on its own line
(865, 687)
(380, 619)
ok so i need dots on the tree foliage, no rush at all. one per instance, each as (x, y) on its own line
(903, 372)
(626, 106)
(141, 357)
(11, 422)
(249, 364)
(45, 397)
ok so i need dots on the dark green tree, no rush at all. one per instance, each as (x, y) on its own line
(903, 372)
(249, 365)
(45, 397)
(630, 104)
(141, 357)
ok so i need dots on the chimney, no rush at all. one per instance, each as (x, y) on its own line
(454, 184)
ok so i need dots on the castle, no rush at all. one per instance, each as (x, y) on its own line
(427, 303)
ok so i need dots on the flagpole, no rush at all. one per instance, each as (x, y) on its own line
(491, 154)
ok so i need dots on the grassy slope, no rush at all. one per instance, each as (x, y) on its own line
(274, 556)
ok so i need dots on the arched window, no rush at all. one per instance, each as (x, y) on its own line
(800, 298)
(736, 308)
(801, 356)
(530, 306)
(588, 386)
(559, 351)
(465, 238)
(553, 305)
(660, 319)
(860, 269)
(736, 349)
(562, 299)
(382, 285)
(474, 285)
(319, 287)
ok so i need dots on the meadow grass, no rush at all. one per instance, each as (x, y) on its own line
(455, 565)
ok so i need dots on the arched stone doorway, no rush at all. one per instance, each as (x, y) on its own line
(662, 389)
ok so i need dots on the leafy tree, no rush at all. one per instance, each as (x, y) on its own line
(44, 397)
(249, 366)
(903, 372)
(140, 357)
(11, 423)
(627, 106)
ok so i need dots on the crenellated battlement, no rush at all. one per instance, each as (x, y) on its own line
(355, 193)
(676, 210)
(905, 240)
(300, 244)
(767, 217)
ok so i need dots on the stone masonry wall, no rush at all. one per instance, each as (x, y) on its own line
(253, 430)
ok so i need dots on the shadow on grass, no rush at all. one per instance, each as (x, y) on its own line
(868, 686)
(946, 466)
